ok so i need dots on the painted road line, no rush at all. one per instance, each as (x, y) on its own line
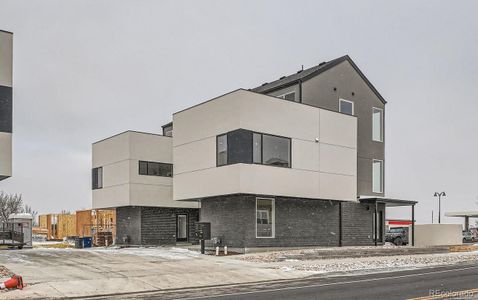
(331, 284)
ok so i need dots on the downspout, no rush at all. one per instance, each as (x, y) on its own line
(340, 224)
(300, 90)
(375, 235)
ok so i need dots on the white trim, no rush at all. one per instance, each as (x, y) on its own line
(382, 131)
(353, 105)
(381, 176)
(273, 218)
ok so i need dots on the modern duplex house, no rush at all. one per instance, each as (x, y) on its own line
(6, 105)
(295, 162)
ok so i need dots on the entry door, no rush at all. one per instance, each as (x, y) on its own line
(182, 228)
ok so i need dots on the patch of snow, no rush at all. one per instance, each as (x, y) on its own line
(160, 252)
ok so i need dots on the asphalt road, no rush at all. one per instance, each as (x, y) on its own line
(396, 285)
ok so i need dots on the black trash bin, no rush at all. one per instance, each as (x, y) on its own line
(78, 242)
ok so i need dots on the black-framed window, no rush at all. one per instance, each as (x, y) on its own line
(97, 178)
(152, 168)
(245, 146)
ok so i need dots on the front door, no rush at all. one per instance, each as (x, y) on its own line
(182, 228)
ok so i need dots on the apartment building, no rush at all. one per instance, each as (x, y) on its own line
(6, 104)
(295, 162)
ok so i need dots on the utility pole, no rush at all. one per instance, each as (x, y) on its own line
(439, 195)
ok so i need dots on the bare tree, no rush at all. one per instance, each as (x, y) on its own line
(10, 204)
(28, 209)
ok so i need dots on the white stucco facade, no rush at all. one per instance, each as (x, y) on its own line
(119, 157)
(6, 83)
(323, 149)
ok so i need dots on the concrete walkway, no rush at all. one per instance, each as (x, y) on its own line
(60, 273)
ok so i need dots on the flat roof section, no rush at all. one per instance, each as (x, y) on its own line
(389, 202)
(471, 214)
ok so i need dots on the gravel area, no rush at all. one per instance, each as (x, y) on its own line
(385, 263)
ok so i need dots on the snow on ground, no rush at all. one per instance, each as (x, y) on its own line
(383, 263)
(161, 252)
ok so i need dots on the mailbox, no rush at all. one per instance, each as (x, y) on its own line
(203, 230)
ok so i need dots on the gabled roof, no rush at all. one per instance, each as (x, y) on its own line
(306, 74)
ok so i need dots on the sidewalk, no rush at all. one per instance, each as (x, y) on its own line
(59, 273)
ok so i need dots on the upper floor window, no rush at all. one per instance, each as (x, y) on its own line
(346, 107)
(377, 124)
(244, 146)
(97, 178)
(155, 169)
(168, 130)
(288, 96)
(377, 176)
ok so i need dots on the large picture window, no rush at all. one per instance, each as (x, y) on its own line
(377, 124)
(155, 169)
(377, 174)
(265, 218)
(245, 146)
(97, 178)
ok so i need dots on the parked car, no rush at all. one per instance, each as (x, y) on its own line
(397, 235)
(468, 237)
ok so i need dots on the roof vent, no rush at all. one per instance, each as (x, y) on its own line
(322, 63)
(264, 83)
(282, 77)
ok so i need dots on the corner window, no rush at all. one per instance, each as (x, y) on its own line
(377, 124)
(221, 150)
(288, 96)
(275, 151)
(245, 146)
(97, 178)
(155, 169)
(377, 174)
(265, 218)
(346, 107)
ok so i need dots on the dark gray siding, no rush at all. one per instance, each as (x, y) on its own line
(319, 91)
(357, 223)
(158, 225)
(298, 222)
(6, 109)
(152, 225)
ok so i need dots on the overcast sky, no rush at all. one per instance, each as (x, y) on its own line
(85, 70)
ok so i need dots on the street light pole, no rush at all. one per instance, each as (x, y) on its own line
(439, 204)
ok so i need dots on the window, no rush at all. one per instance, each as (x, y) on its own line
(155, 169)
(257, 148)
(97, 178)
(346, 107)
(265, 218)
(168, 129)
(245, 146)
(377, 124)
(275, 151)
(288, 96)
(221, 147)
(377, 174)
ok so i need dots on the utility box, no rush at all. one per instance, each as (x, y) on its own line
(203, 230)
(23, 222)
